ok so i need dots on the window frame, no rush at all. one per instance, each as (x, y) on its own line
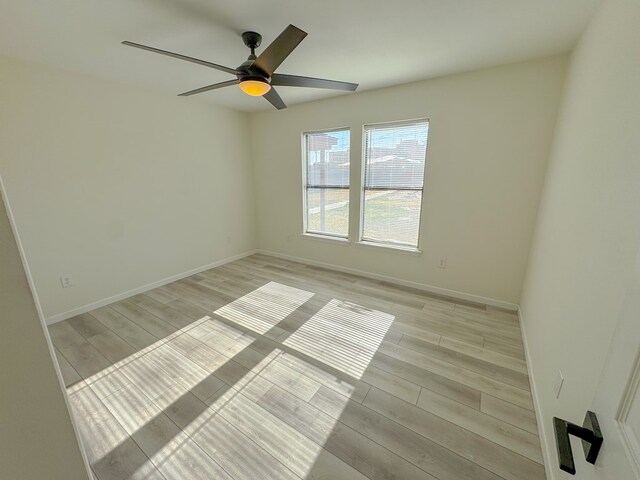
(305, 213)
(362, 240)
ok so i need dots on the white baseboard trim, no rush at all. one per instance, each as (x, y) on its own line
(547, 456)
(121, 296)
(405, 283)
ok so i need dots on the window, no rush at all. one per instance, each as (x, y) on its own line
(394, 168)
(326, 183)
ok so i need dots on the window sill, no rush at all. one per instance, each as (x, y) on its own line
(395, 248)
(327, 238)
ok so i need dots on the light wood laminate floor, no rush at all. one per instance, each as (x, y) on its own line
(271, 369)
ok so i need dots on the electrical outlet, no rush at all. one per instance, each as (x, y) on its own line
(557, 386)
(288, 238)
(66, 281)
(228, 238)
(442, 263)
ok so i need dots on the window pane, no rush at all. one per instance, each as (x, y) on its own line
(392, 216)
(395, 155)
(328, 211)
(326, 157)
(394, 167)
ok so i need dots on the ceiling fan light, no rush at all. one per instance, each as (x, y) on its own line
(255, 88)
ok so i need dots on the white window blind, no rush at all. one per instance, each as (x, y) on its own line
(326, 185)
(394, 170)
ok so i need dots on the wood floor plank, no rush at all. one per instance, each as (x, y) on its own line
(64, 336)
(493, 313)
(291, 380)
(180, 405)
(515, 351)
(398, 328)
(108, 381)
(510, 413)
(149, 322)
(208, 325)
(461, 375)
(253, 386)
(493, 457)
(166, 312)
(69, 374)
(487, 328)
(392, 384)
(87, 325)
(189, 309)
(130, 332)
(126, 461)
(199, 353)
(83, 357)
(495, 358)
(160, 296)
(437, 383)
(146, 375)
(111, 346)
(405, 322)
(185, 292)
(455, 357)
(498, 431)
(464, 324)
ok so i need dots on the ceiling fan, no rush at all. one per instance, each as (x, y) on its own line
(256, 76)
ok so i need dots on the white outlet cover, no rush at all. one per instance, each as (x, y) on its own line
(442, 263)
(66, 281)
(557, 386)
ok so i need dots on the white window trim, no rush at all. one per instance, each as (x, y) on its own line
(305, 230)
(396, 248)
(318, 237)
(362, 241)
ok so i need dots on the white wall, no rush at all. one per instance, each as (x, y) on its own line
(489, 140)
(36, 436)
(588, 230)
(117, 186)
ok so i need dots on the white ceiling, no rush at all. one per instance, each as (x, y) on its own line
(375, 43)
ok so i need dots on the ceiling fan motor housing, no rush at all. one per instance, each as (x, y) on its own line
(251, 40)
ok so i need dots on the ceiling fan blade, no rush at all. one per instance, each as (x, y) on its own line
(232, 71)
(283, 80)
(274, 99)
(210, 87)
(272, 56)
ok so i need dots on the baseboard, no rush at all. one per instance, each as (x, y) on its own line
(547, 455)
(420, 286)
(121, 296)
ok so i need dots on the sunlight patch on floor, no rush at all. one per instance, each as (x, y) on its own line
(343, 335)
(263, 308)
